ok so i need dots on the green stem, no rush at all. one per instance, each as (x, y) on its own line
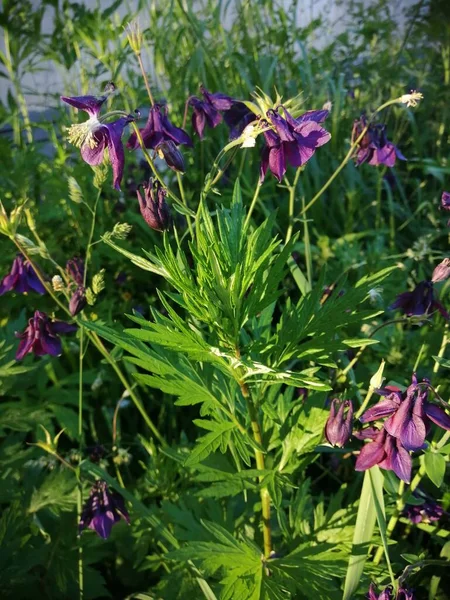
(144, 75)
(253, 204)
(183, 199)
(292, 189)
(260, 465)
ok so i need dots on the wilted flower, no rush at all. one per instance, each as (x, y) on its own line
(153, 205)
(207, 111)
(102, 510)
(374, 148)
(385, 451)
(159, 129)
(409, 413)
(420, 301)
(442, 271)
(292, 141)
(41, 336)
(338, 428)
(93, 136)
(22, 278)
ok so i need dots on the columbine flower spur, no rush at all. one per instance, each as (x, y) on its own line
(94, 136)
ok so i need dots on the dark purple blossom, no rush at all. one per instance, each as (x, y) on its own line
(75, 270)
(103, 509)
(208, 110)
(387, 452)
(159, 129)
(427, 512)
(237, 118)
(409, 414)
(445, 200)
(41, 336)
(173, 157)
(153, 205)
(291, 141)
(338, 428)
(420, 301)
(93, 137)
(374, 148)
(22, 278)
(386, 594)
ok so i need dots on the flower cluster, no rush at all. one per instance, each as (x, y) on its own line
(407, 418)
(103, 509)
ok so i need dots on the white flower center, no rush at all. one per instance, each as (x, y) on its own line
(83, 133)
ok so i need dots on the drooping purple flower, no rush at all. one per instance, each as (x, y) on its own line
(41, 336)
(93, 137)
(442, 271)
(159, 129)
(103, 509)
(405, 594)
(208, 110)
(291, 141)
(22, 278)
(427, 512)
(420, 301)
(386, 594)
(153, 205)
(338, 428)
(409, 414)
(173, 157)
(75, 269)
(388, 453)
(374, 147)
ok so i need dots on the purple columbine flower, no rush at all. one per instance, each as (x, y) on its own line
(160, 135)
(387, 452)
(22, 278)
(445, 200)
(41, 336)
(153, 205)
(405, 594)
(207, 111)
(93, 136)
(292, 141)
(374, 148)
(338, 428)
(427, 512)
(409, 414)
(77, 301)
(103, 509)
(386, 594)
(420, 301)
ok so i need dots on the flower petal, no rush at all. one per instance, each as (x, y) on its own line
(90, 104)
(437, 415)
(382, 409)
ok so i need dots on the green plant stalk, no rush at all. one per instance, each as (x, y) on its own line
(441, 349)
(260, 464)
(252, 204)
(348, 156)
(399, 509)
(292, 189)
(183, 199)
(144, 75)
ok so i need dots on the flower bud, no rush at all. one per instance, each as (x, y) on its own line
(442, 271)
(78, 301)
(171, 155)
(338, 428)
(75, 269)
(153, 206)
